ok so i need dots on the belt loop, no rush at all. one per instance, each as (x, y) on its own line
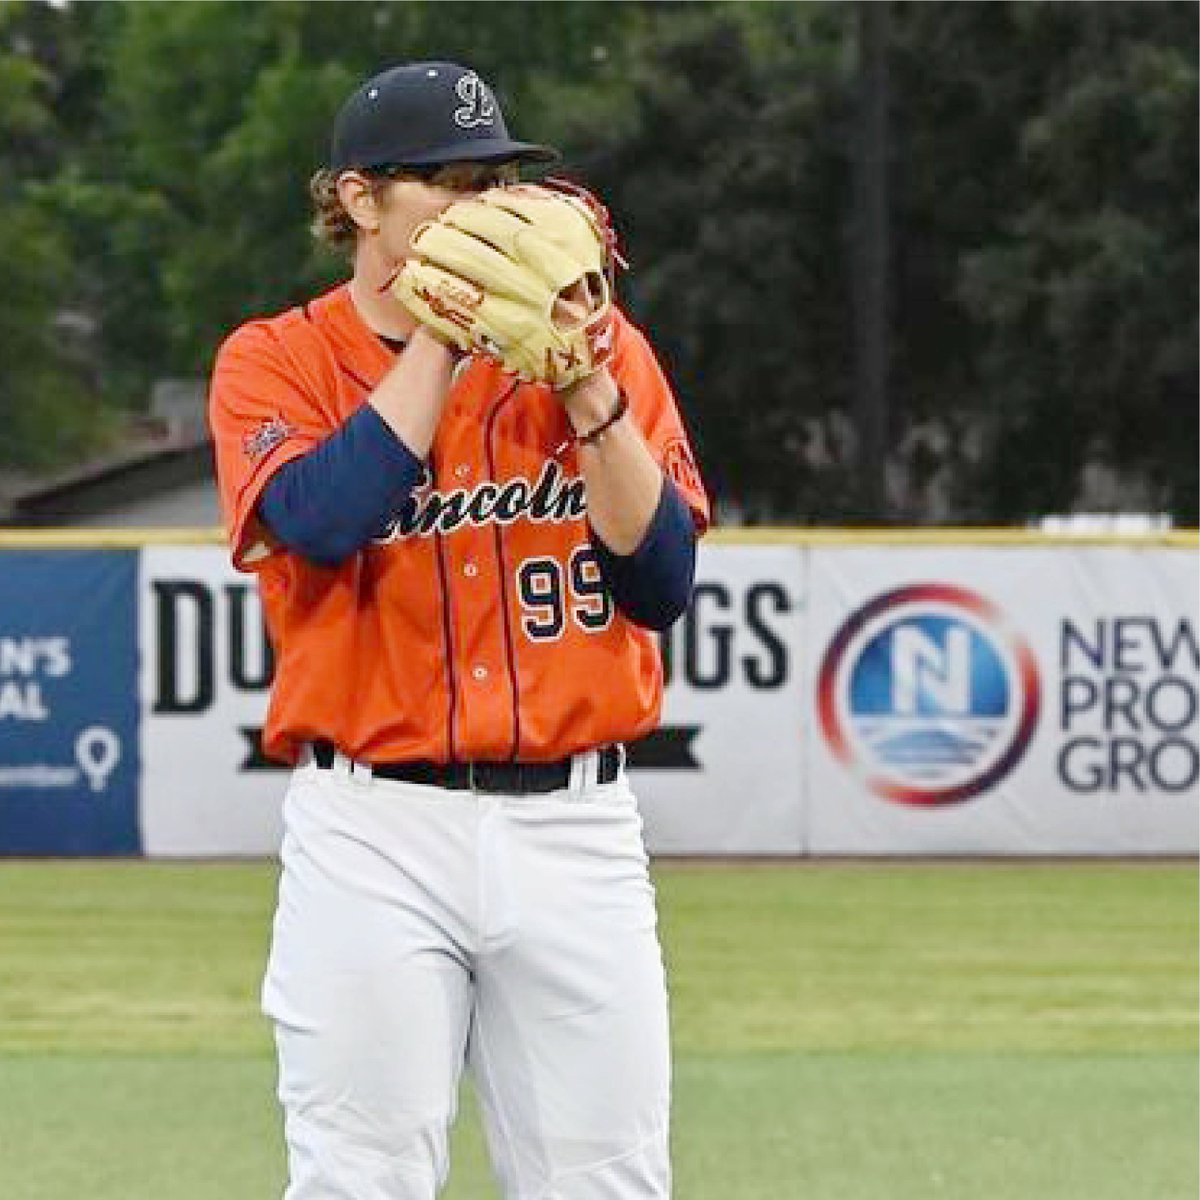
(577, 783)
(352, 769)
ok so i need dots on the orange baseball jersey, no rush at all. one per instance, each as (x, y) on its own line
(475, 624)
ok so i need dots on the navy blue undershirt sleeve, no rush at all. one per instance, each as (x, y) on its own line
(652, 586)
(328, 503)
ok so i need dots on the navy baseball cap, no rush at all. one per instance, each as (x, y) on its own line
(423, 114)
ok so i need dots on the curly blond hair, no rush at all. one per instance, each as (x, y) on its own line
(331, 223)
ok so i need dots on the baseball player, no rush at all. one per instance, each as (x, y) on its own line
(465, 489)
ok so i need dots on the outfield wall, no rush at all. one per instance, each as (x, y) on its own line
(897, 693)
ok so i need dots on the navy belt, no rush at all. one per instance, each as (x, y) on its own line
(510, 778)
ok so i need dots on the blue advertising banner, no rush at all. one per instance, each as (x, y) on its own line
(69, 770)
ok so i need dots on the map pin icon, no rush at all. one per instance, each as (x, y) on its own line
(97, 750)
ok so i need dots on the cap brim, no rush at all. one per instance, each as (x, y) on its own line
(488, 150)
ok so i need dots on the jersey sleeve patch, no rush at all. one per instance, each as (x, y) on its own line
(680, 466)
(265, 436)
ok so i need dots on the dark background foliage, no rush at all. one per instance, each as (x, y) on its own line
(1041, 172)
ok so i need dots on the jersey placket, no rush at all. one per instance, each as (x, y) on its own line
(488, 723)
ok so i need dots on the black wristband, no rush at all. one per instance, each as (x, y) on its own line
(595, 436)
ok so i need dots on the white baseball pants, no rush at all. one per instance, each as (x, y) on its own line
(420, 929)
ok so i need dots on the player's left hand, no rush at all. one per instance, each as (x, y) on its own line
(520, 273)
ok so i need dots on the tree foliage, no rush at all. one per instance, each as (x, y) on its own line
(1043, 212)
(729, 176)
(46, 412)
(1092, 275)
(1043, 216)
(1046, 210)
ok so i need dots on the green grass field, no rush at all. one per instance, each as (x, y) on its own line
(842, 1032)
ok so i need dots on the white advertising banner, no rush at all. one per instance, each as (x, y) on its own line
(840, 700)
(721, 775)
(1003, 700)
(205, 669)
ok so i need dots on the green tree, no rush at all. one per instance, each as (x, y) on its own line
(726, 170)
(1085, 298)
(1043, 210)
(223, 111)
(46, 412)
(1044, 246)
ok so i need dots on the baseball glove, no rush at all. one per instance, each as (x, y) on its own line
(520, 273)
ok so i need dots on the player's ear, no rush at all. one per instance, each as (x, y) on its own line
(360, 199)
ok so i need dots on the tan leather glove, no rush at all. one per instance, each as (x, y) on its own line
(520, 273)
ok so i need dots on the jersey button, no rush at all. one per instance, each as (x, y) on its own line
(479, 672)
(470, 570)
(462, 471)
